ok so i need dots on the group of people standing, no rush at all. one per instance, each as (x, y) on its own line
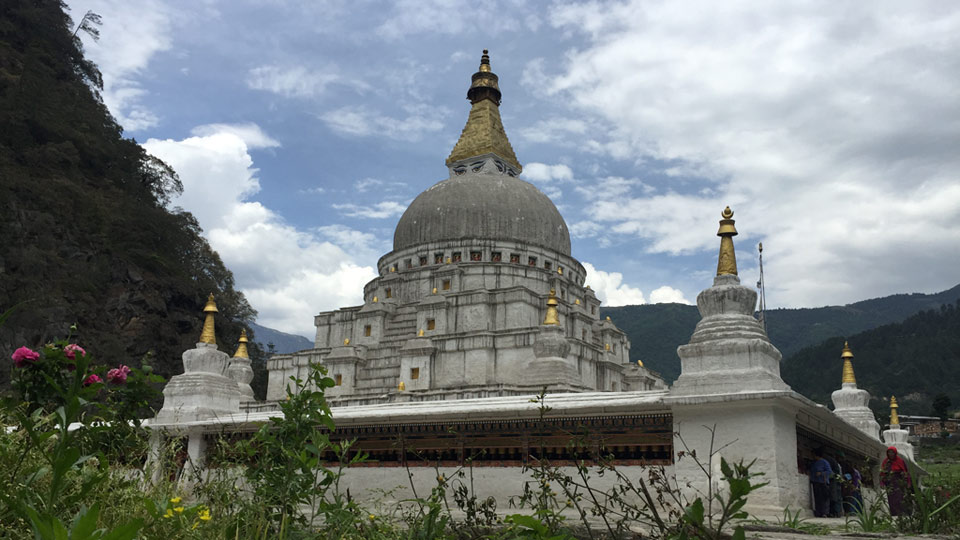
(837, 485)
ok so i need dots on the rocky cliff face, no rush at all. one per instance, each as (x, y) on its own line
(85, 236)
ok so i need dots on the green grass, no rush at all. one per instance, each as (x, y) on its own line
(942, 462)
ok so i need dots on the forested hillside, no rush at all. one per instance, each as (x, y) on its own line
(914, 360)
(656, 330)
(86, 237)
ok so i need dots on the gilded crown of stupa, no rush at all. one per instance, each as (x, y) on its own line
(847, 357)
(727, 261)
(484, 133)
(208, 335)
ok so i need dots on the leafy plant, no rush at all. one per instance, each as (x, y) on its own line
(698, 524)
(934, 511)
(286, 457)
(56, 411)
(870, 516)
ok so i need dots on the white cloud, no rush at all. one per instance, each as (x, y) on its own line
(541, 172)
(586, 229)
(418, 17)
(360, 121)
(131, 34)
(612, 188)
(610, 288)
(364, 184)
(379, 210)
(374, 184)
(287, 274)
(831, 132)
(249, 133)
(292, 81)
(666, 295)
(554, 130)
(612, 291)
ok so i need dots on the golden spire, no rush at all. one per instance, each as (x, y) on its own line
(847, 356)
(894, 419)
(552, 318)
(484, 133)
(208, 335)
(242, 348)
(727, 263)
(639, 362)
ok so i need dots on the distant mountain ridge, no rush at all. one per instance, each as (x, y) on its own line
(915, 360)
(283, 343)
(656, 330)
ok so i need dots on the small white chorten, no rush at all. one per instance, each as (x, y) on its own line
(203, 390)
(895, 436)
(850, 402)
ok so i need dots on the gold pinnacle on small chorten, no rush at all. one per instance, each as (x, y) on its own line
(552, 318)
(401, 387)
(727, 261)
(420, 333)
(639, 362)
(208, 335)
(894, 419)
(847, 356)
(242, 347)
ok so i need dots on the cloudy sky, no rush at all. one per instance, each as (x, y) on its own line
(301, 131)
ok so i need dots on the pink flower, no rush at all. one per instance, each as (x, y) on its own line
(72, 349)
(118, 375)
(92, 379)
(23, 356)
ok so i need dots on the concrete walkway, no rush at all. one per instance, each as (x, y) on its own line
(837, 525)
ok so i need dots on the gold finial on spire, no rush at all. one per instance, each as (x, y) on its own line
(420, 333)
(401, 387)
(485, 61)
(242, 347)
(639, 362)
(847, 356)
(484, 133)
(552, 318)
(727, 262)
(894, 419)
(375, 299)
(208, 335)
